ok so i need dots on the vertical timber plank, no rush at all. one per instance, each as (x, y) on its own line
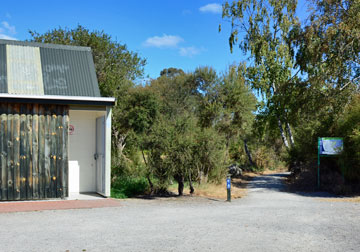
(23, 168)
(53, 152)
(59, 138)
(47, 152)
(42, 177)
(17, 177)
(65, 151)
(28, 151)
(10, 154)
(3, 151)
(35, 151)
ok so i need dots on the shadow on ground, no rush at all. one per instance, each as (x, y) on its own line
(277, 182)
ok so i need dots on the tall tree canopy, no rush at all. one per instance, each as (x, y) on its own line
(308, 73)
(329, 50)
(261, 28)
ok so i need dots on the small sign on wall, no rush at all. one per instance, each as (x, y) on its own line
(71, 129)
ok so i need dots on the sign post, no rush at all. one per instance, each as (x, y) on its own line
(328, 146)
(228, 187)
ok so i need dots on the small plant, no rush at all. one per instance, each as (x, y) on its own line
(124, 187)
(117, 194)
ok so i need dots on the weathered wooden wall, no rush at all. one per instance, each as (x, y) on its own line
(33, 151)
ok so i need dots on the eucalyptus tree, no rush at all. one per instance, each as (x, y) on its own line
(329, 50)
(261, 29)
(239, 105)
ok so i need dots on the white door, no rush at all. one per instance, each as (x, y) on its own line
(100, 155)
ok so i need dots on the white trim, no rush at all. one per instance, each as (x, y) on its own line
(58, 97)
(108, 151)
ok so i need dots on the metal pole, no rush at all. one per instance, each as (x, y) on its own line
(318, 171)
(228, 187)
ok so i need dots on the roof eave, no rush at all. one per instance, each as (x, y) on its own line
(57, 99)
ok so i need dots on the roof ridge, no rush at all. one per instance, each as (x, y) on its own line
(44, 45)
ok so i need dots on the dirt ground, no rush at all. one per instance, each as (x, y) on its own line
(219, 191)
(268, 218)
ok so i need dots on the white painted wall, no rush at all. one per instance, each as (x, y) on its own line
(74, 179)
(82, 147)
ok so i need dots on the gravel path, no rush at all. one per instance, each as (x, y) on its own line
(267, 219)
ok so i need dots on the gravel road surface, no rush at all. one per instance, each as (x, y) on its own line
(267, 219)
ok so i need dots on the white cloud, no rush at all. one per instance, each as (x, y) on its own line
(212, 8)
(190, 51)
(10, 28)
(3, 36)
(164, 41)
(7, 31)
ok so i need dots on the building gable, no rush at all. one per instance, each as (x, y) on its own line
(28, 68)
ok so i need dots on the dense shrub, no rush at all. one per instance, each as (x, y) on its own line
(349, 128)
(125, 186)
(340, 174)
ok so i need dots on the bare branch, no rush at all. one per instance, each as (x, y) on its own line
(352, 81)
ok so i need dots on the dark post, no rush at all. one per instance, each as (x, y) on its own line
(228, 187)
(318, 163)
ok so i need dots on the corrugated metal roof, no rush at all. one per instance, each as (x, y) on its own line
(24, 75)
(3, 74)
(65, 70)
(68, 72)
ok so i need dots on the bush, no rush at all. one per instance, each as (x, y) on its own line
(340, 174)
(209, 156)
(124, 187)
(117, 194)
(349, 128)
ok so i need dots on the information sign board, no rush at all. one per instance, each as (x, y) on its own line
(330, 145)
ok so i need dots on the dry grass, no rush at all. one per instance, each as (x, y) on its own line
(267, 172)
(218, 191)
(353, 200)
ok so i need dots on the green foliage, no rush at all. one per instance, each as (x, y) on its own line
(265, 26)
(329, 45)
(323, 100)
(156, 144)
(140, 110)
(177, 122)
(209, 154)
(349, 127)
(117, 194)
(127, 186)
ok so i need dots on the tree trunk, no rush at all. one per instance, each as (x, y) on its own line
(192, 190)
(148, 175)
(248, 153)
(180, 180)
(290, 134)
(283, 136)
(150, 184)
(120, 141)
(282, 133)
(202, 177)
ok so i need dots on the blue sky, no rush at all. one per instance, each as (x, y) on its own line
(168, 33)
